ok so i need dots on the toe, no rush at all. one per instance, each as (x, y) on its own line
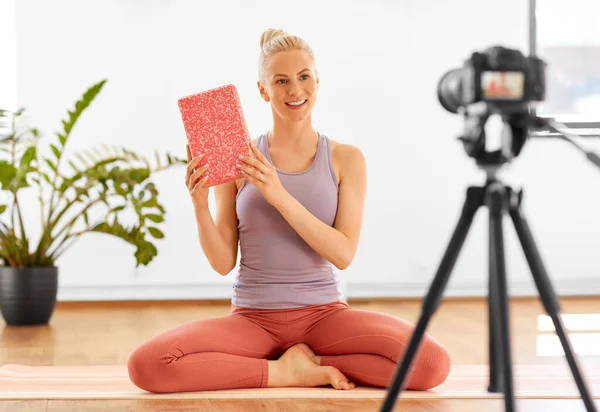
(338, 380)
(347, 385)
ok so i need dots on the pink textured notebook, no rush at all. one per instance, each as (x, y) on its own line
(215, 127)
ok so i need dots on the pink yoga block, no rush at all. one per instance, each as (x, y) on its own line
(215, 127)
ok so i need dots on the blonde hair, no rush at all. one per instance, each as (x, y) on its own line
(273, 41)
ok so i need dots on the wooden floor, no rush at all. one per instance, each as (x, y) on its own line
(103, 333)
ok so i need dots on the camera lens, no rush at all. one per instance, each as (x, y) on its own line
(450, 90)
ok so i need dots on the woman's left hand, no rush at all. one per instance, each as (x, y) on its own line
(263, 175)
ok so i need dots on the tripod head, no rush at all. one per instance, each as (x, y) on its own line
(517, 125)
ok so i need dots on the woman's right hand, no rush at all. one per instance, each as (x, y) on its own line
(195, 177)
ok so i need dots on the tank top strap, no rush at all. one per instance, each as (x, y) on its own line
(262, 144)
(324, 164)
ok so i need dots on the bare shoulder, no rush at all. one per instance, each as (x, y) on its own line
(346, 157)
(345, 151)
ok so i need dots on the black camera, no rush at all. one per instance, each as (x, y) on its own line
(496, 81)
(503, 78)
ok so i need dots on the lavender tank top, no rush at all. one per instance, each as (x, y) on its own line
(278, 269)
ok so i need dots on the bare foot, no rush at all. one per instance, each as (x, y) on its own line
(302, 371)
(316, 359)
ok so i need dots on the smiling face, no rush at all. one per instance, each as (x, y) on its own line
(290, 84)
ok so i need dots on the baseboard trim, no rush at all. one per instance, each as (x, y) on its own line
(208, 291)
(191, 291)
(562, 287)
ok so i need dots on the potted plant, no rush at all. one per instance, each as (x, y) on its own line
(70, 192)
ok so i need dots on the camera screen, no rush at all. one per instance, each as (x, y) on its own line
(502, 85)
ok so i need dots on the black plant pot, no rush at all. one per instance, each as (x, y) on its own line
(28, 295)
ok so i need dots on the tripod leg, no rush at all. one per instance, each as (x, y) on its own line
(495, 358)
(497, 203)
(432, 300)
(548, 297)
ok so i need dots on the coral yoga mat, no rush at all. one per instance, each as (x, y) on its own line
(112, 382)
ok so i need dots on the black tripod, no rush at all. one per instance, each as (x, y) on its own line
(499, 199)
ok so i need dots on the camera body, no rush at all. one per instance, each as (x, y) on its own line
(496, 81)
(503, 78)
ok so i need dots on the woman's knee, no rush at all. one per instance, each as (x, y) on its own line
(147, 369)
(441, 365)
(433, 366)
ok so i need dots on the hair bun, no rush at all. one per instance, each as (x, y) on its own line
(269, 35)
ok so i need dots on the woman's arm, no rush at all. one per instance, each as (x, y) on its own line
(219, 236)
(337, 244)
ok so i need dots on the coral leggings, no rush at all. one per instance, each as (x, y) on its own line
(231, 352)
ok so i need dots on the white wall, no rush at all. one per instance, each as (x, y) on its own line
(379, 63)
(8, 63)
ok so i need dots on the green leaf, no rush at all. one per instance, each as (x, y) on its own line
(90, 156)
(12, 178)
(97, 152)
(2, 209)
(152, 202)
(82, 159)
(155, 232)
(56, 151)
(51, 164)
(62, 139)
(82, 104)
(121, 189)
(81, 192)
(28, 156)
(47, 178)
(107, 149)
(7, 174)
(74, 166)
(145, 253)
(154, 217)
(25, 167)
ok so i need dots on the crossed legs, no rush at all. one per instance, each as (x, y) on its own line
(230, 352)
(347, 347)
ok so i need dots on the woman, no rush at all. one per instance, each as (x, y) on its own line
(297, 214)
